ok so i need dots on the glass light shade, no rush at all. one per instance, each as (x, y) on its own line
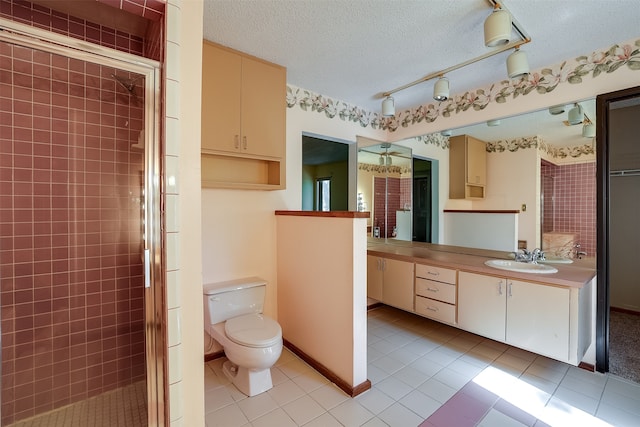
(589, 130)
(517, 64)
(441, 89)
(575, 115)
(388, 107)
(556, 109)
(494, 122)
(497, 28)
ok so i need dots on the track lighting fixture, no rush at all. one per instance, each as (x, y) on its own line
(388, 107)
(497, 27)
(441, 89)
(575, 115)
(497, 33)
(588, 129)
(517, 64)
(556, 109)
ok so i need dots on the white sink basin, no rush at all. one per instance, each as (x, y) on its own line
(520, 267)
(551, 259)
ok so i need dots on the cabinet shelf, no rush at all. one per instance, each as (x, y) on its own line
(222, 170)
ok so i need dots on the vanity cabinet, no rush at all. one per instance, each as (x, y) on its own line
(467, 167)
(243, 120)
(532, 316)
(390, 281)
(436, 293)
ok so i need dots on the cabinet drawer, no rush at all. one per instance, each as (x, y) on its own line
(436, 273)
(436, 310)
(435, 290)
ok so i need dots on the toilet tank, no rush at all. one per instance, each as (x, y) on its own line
(232, 298)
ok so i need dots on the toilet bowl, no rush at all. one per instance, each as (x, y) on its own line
(252, 342)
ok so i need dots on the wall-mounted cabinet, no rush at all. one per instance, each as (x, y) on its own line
(467, 167)
(243, 120)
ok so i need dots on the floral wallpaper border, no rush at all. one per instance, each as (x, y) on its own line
(539, 144)
(368, 167)
(541, 82)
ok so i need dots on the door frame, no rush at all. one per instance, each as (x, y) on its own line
(603, 103)
(155, 324)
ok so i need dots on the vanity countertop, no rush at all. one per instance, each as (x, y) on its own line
(574, 275)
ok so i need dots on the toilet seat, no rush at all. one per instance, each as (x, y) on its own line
(253, 330)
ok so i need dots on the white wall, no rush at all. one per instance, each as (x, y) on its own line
(513, 179)
(238, 226)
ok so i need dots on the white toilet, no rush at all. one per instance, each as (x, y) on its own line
(252, 342)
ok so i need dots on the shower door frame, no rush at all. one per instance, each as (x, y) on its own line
(155, 341)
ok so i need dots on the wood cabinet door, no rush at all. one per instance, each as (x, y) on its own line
(263, 108)
(220, 99)
(538, 318)
(482, 304)
(374, 277)
(397, 288)
(476, 161)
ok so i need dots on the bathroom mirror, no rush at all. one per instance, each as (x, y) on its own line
(384, 188)
(558, 179)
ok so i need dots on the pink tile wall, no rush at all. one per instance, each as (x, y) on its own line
(397, 190)
(70, 271)
(406, 192)
(62, 23)
(575, 203)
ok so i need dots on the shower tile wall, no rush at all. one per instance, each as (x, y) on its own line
(44, 18)
(575, 202)
(70, 269)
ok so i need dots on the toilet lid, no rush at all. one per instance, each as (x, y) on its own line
(253, 330)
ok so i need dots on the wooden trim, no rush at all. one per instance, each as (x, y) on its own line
(374, 305)
(329, 214)
(602, 220)
(213, 356)
(587, 366)
(625, 311)
(482, 211)
(327, 373)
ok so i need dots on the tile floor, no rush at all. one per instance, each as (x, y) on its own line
(427, 374)
(125, 406)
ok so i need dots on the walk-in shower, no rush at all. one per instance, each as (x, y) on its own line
(79, 221)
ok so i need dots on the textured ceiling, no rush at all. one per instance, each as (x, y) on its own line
(353, 50)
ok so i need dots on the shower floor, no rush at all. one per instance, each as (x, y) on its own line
(126, 406)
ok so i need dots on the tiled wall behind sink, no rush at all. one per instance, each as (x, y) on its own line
(575, 202)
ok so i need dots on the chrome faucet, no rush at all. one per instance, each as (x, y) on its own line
(537, 255)
(524, 256)
(529, 256)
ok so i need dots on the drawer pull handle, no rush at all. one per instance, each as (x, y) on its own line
(433, 289)
(433, 273)
(432, 309)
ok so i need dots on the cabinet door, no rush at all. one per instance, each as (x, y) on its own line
(476, 161)
(374, 277)
(482, 304)
(220, 99)
(538, 318)
(263, 108)
(397, 289)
